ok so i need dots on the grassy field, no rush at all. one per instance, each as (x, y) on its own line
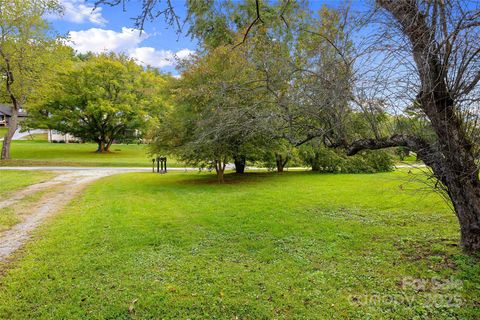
(42, 153)
(261, 246)
(10, 181)
(3, 131)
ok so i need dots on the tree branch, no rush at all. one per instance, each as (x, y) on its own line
(397, 140)
(254, 22)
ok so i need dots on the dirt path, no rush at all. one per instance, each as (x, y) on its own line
(19, 195)
(66, 186)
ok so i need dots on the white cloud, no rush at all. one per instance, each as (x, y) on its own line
(184, 53)
(127, 41)
(100, 40)
(158, 58)
(78, 11)
(152, 57)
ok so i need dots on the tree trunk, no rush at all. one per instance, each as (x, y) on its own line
(466, 202)
(220, 176)
(281, 162)
(220, 170)
(101, 146)
(13, 123)
(108, 145)
(315, 162)
(454, 166)
(240, 162)
(451, 157)
(7, 140)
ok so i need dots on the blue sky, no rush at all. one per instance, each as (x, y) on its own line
(112, 29)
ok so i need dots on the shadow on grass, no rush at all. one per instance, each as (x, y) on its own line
(232, 178)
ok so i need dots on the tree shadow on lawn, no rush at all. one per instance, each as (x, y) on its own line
(232, 178)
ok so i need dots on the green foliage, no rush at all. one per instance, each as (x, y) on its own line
(371, 161)
(326, 160)
(402, 152)
(209, 22)
(276, 91)
(209, 123)
(27, 55)
(414, 122)
(27, 49)
(224, 23)
(101, 98)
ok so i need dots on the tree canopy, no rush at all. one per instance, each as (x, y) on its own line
(27, 54)
(261, 100)
(104, 98)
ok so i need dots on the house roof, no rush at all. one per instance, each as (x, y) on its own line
(7, 110)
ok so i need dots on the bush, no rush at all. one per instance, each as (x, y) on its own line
(402, 152)
(371, 161)
(326, 160)
(336, 161)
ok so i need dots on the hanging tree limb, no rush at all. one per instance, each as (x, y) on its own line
(257, 19)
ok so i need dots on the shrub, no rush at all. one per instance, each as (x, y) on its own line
(369, 162)
(326, 160)
(402, 152)
(336, 161)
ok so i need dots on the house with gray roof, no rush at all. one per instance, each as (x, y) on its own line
(6, 115)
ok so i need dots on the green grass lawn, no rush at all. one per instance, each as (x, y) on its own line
(10, 181)
(42, 153)
(3, 131)
(261, 246)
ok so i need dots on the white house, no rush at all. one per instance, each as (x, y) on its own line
(53, 135)
(56, 136)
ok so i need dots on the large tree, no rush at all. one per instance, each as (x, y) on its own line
(26, 54)
(434, 48)
(211, 122)
(102, 99)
